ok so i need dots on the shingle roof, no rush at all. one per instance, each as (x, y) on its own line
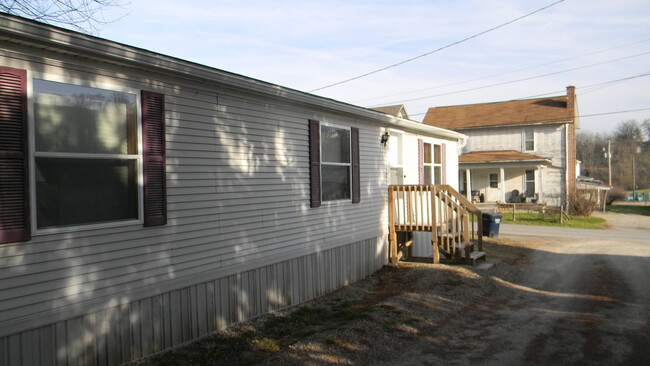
(499, 156)
(510, 113)
(394, 110)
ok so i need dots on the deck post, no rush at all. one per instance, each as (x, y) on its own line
(466, 238)
(434, 227)
(392, 235)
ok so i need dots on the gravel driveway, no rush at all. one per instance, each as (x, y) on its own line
(548, 301)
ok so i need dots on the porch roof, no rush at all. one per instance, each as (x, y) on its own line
(504, 156)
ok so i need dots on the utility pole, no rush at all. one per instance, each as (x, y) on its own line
(609, 161)
(636, 151)
(633, 179)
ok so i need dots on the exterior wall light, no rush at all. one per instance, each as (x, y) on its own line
(384, 138)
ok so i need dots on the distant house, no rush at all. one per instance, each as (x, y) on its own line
(146, 201)
(398, 110)
(519, 150)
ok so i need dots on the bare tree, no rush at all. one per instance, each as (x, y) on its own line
(646, 129)
(629, 130)
(630, 154)
(83, 15)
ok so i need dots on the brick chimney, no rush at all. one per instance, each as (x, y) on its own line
(571, 99)
(571, 142)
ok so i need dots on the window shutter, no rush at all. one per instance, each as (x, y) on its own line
(420, 161)
(356, 171)
(153, 142)
(314, 163)
(443, 160)
(14, 172)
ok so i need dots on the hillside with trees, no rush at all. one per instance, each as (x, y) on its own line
(630, 143)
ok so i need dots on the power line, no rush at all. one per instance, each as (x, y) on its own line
(516, 80)
(438, 49)
(616, 112)
(596, 87)
(504, 73)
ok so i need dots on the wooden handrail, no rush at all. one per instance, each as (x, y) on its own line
(462, 199)
(432, 208)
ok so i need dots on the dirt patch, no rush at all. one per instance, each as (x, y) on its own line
(414, 309)
(513, 250)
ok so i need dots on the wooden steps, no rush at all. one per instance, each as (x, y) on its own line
(473, 256)
(454, 222)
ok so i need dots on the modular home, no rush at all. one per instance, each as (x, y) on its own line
(146, 201)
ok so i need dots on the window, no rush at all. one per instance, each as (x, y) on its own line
(85, 155)
(432, 163)
(335, 167)
(86, 164)
(334, 160)
(463, 181)
(529, 140)
(494, 180)
(530, 183)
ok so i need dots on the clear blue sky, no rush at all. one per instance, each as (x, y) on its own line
(306, 45)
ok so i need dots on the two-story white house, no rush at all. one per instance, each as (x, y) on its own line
(519, 150)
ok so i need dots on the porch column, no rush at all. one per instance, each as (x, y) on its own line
(468, 184)
(538, 183)
(502, 187)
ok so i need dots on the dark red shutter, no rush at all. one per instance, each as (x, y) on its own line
(314, 163)
(153, 142)
(356, 170)
(14, 172)
(420, 161)
(443, 160)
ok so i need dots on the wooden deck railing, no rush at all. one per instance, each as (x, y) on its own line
(438, 209)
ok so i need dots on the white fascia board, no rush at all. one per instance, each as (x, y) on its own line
(515, 125)
(19, 30)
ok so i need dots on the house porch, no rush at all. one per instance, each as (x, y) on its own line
(502, 176)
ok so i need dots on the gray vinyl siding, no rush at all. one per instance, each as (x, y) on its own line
(234, 198)
(130, 331)
(240, 239)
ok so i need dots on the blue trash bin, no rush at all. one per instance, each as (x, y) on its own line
(491, 223)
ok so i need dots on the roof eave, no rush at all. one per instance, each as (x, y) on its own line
(20, 30)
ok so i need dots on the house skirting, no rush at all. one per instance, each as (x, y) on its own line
(130, 331)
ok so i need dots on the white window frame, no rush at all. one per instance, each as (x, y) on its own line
(322, 162)
(526, 139)
(33, 154)
(433, 165)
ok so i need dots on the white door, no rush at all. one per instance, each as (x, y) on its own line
(396, 176)
(493, 187)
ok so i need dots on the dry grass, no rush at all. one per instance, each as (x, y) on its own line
(414, 308)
